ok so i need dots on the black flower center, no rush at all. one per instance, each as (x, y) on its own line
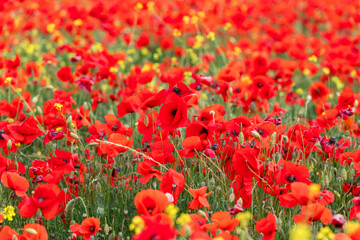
(291, 178)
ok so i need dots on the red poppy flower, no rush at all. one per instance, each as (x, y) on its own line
(174, 183)
(161, 152)
(53, 135)
(150, 202)
(228, 74)
(173, 114)
(312, 213)
(292, 172)
(88, 228)
(64, 74)
(85, 83)
(222, 221)
(245, 162)
(191, 145)
(243, 188)
(25, 132)
(116, 126)
(127, 105)
(319, 91)
(148, 172)
(15, 182)
(267, 226)
(156, 230)
(199, 196)
(46, 198)
(41, 233)
(116, 144)
(7, 233)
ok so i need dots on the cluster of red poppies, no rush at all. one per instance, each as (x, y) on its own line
(232, 119)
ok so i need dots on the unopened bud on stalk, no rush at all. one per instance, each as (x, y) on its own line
(240, 201)
(31, 231)
(93, 143)
(241, 138)
(35, 99)
(86, 106)
(69, 121)
(70, 205)
(285, 138)
(326, 180)
(74, 135)
(232, 197)
(9, 144)
(277, 157)
(202, 213)
(343, 173)
(106, 229)
(14, 237)
(256, 135)
(39, 110)
(356, 103)
(273, 139)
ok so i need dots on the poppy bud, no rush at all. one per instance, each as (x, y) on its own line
(70, 204)
(256, 135)
(273, 138)
(93, 143)
(75, 136)
(356, 103)
(211, 183)
(39, 110)
(69, 121)
(31, 231)
(72, 222)
(232, 197)
(277, 157)
(86, 105)
(35, 99)
(240, 201)
(106, 229)
(9, 144)
(351, 173)
(98, 188)
(343, 174)
(146, 120)
(202, 213)
(326, 180)
(241, 138)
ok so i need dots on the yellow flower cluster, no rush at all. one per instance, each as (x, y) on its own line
(9, 213)
(137, 225)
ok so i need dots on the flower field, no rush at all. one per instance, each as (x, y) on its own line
(184, 119)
